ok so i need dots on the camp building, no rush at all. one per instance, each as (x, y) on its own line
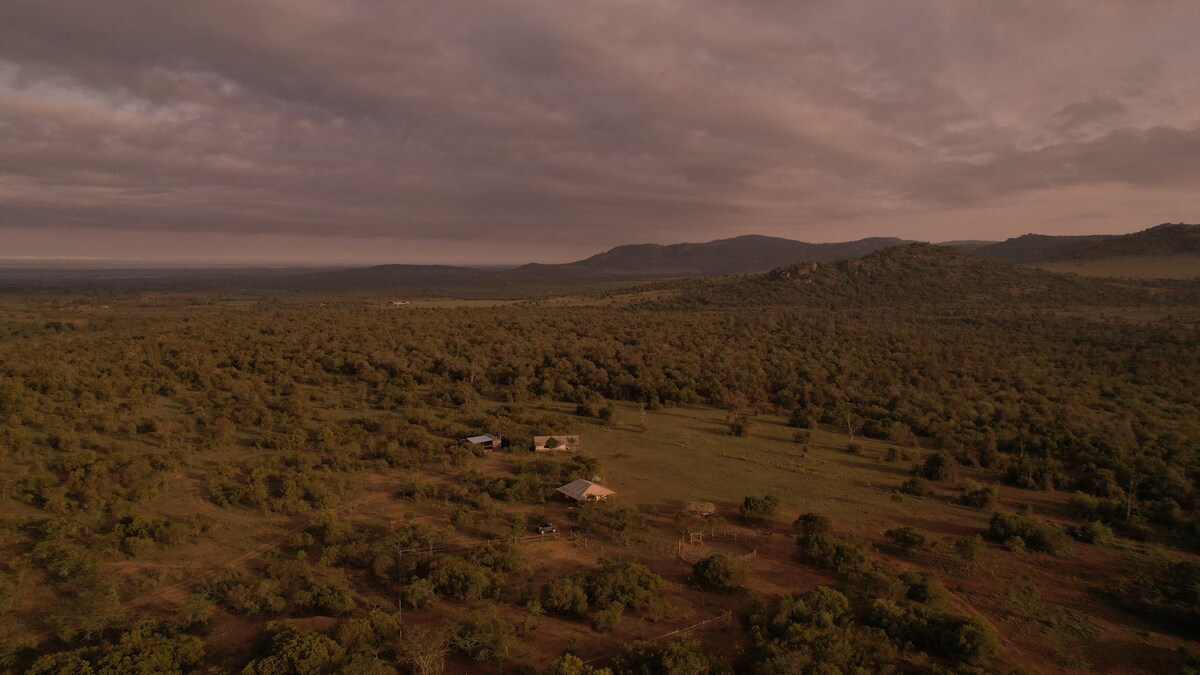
(487, 441)
(585, 491)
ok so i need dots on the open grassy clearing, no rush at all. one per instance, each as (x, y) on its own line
(1182, 266)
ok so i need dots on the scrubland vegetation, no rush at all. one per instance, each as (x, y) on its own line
(945, 477)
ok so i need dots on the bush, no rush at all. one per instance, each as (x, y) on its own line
(1168, 594)
(241, 593)
(456, 578)
(1094, 532)
(566, 595)
(983, 497)
(967, 548)
(814, 632)
(141, 650)
(607, 519)
(332, 599)
(754, 509)
(686, 655)
(923, 587)
(483, 635)
(812, 523)
(1036, 534)
(608, 618)
(501, 556)
(906, 539)
(630, 586)
(940, 466)
(419, 594)
(718, 572)
(959, 638)
(836, 555)
(917, 487)
(297, 651)
(801, 419)
(569, 664)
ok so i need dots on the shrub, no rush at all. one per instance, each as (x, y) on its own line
(241, 593)
(718, 572)
(332, 599)
(812, 523)
(831, 553)
(923, 587)
(569, 664)
(607, 519)
(814, 632)
(501, 556)
(566, 595)
(632, 585)
(678, 656)
(1094, 532)
(456, 578)
(1036, 534)
(419, 594)
(917, 487)
(755, 509)
(940, 466)
(800, 419)
(297, 651)
(483, 635)
(906, 539)
(967, 548)
(1168, 594)
(608, 618)
(983, 497)
(954, 637)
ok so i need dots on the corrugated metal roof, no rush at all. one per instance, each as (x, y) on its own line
(582, 490)
(481, 439)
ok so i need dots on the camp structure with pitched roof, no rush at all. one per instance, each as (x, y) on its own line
(585, 491)
(487, 442)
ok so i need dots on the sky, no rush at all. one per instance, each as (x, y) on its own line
(501, 131)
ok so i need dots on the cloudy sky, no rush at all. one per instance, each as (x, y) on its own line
(494, 130)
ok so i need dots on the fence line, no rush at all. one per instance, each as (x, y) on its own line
(725, 616)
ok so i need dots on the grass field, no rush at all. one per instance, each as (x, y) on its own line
(1184, 266)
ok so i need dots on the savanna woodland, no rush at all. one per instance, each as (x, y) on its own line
(919, 461)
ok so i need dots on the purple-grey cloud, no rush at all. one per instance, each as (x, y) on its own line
(592, 123)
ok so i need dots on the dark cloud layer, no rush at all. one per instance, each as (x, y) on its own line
(564, 127)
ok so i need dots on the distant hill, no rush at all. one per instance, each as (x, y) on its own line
(739, 255)
(1029, 248)
(967, 244)
(1167, 239)
(917, 276)
(620, 265)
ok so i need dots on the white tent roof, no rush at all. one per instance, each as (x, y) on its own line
(582, 490)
